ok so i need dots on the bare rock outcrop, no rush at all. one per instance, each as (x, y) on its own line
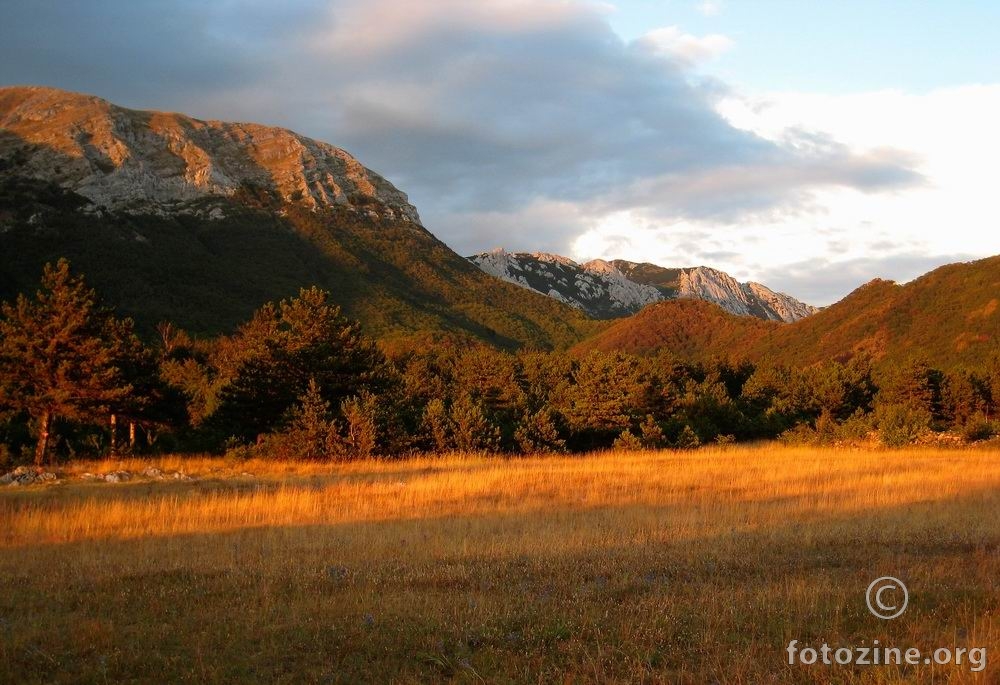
(134, 160)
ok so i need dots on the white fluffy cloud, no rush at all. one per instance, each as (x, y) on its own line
(531, 123)
(842, 237)
(670, 41)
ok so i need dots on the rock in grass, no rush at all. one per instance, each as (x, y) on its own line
(117, 477)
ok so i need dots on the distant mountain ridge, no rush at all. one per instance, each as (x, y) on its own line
(199, 223)
(618, 288)
(948, 317)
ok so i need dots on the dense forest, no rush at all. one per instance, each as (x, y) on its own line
(299, 380)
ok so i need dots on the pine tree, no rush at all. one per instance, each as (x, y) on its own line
(472, 431)
(307, 435)
(687, 439)
(361, 416)
(537, 434)
(627, 442)
(651, 433)
(56, 358)
(270, 360)
(437, 425)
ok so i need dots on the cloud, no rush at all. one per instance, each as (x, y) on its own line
(710, 8)
(822, 281)
(670, 41)
(554, 224)
(146, 52)
(522, 123)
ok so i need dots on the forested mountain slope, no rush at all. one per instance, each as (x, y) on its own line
(199, 222)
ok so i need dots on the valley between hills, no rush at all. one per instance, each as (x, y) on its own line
(259, 424)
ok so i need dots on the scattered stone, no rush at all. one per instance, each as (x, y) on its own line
(117, 477)
(26, 475)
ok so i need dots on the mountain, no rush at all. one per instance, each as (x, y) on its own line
(712, 285)
(607, 290)
(948, 317)
(199, 222)
(688, 329)
(597, 287)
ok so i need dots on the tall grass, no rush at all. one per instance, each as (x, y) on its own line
(656, 567)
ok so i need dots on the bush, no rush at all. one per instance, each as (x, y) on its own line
(652, 433)
(799, 434)
(856, 428)
(627, 442)
(978, 428)
(688, 439)
(538, 434)
(901, 424)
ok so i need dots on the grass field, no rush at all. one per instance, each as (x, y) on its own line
(673, 567)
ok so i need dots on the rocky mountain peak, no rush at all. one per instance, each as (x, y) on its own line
(136, 160)
(609, 289)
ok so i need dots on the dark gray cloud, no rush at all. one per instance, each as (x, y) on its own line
(507, 121)
(146, 53)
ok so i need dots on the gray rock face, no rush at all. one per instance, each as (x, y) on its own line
(742, 299)
(612, 289)
(157, 161)
(597, 287)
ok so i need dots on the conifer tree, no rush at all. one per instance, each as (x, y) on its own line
(56, 358)
(361, 416)
(269, 362)
(651, 433)
(537, 434)
(437, 425)
(472, 431)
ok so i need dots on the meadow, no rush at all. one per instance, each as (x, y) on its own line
(648, 567)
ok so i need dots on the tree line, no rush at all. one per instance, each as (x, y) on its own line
(300, 381)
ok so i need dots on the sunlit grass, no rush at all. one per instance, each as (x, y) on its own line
(656, 567)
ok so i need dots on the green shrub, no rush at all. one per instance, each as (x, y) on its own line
(901, 424)
(688, 439)
(799, 434)
(979, 428)
(627, 442)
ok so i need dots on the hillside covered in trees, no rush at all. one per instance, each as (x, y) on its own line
(201, 222)
(948, 317)
(263, 293)
(300, 380)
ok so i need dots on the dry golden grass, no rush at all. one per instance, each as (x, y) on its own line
(692, 567)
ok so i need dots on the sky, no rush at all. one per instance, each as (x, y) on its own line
(808, 146)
